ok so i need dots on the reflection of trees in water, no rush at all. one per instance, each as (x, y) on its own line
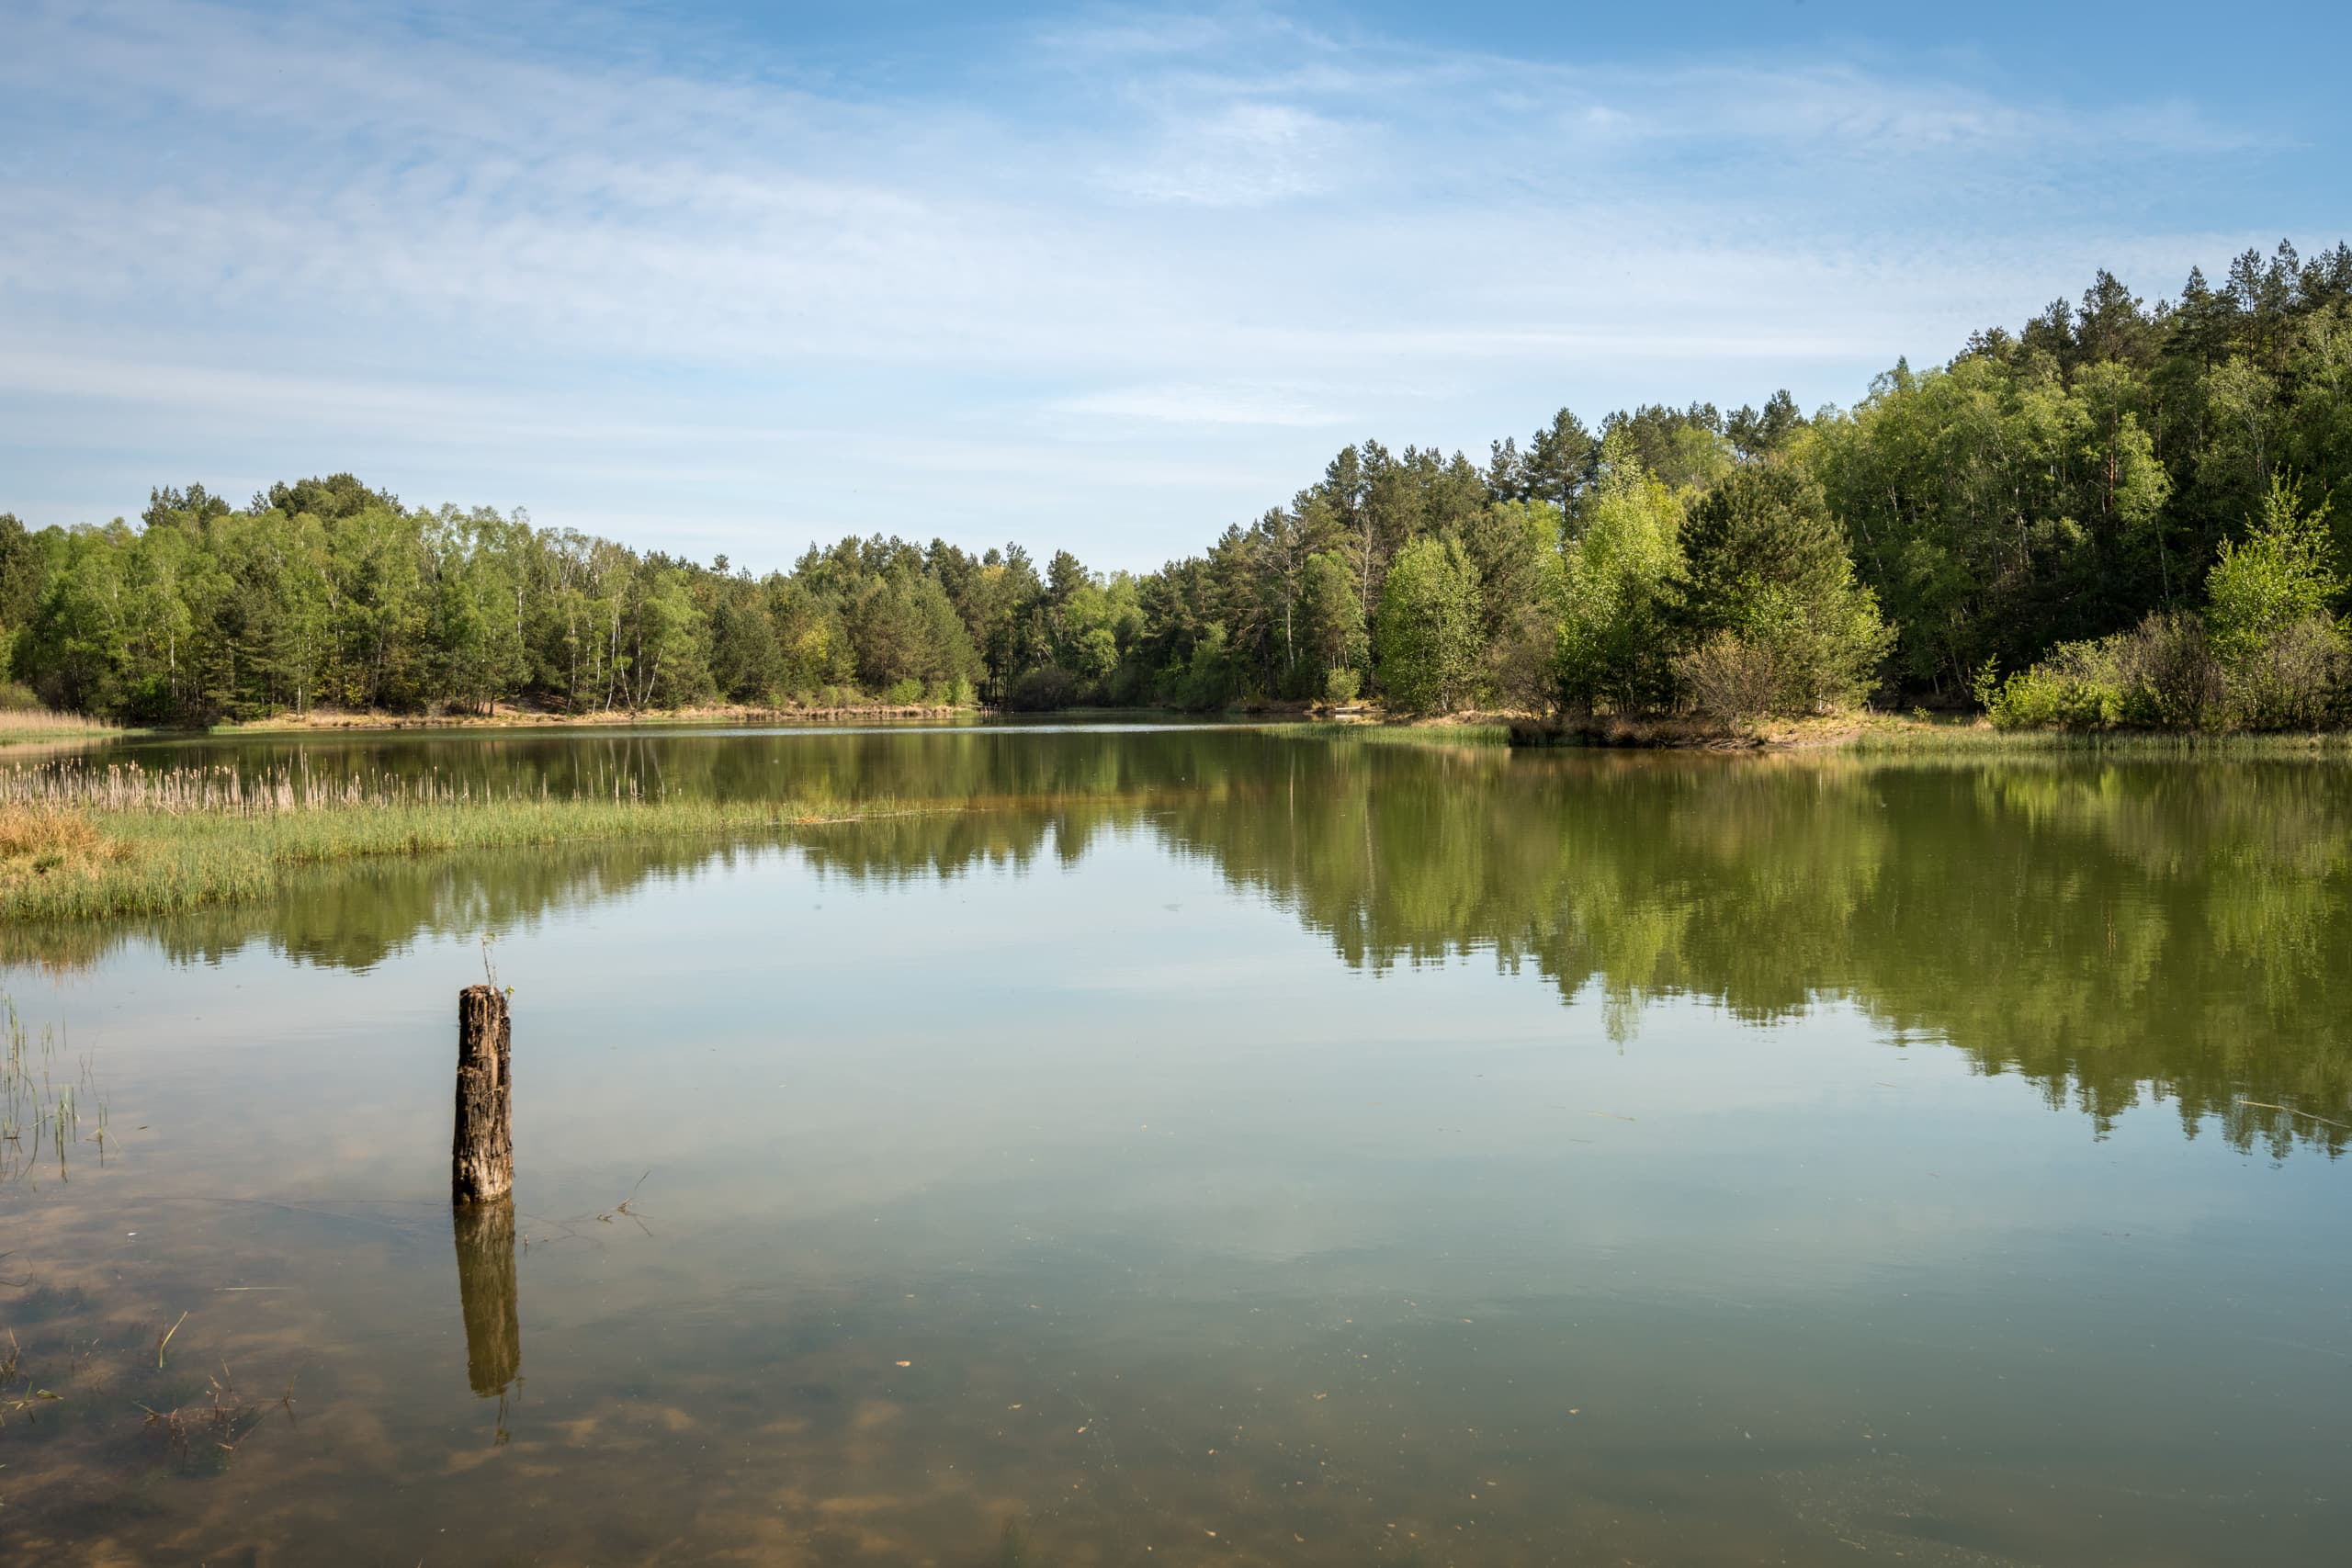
(357, 915)
(978, 763)
(2106, 930)
(2103, 930)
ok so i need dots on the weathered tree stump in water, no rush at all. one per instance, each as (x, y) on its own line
(481, 1156)
(486, 1293)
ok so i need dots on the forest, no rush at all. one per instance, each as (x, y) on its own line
(2119, 513)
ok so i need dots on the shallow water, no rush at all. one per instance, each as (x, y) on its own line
(1206, 1146)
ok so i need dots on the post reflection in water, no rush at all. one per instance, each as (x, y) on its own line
(487, 1294)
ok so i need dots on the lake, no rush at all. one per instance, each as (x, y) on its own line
(1210, 1145)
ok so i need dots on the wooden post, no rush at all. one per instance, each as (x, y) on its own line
(485, 1232)
(481, 1156)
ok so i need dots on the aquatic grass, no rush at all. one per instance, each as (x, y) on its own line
(1889, 735)
(80, 843)
(1867, 733)
(1375, 734)
(225, 1416)
(33, 1105)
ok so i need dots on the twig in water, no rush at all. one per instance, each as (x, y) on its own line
(166, 1339)
(2266, 1105)
(623, 1206)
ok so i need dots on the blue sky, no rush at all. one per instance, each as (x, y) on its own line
(1104, 277)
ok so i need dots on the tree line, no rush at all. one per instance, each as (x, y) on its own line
(2119, 513)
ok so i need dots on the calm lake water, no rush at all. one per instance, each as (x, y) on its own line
(1208, 1146)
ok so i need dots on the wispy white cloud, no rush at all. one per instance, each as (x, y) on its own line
(1197, 245)
(1235, 154)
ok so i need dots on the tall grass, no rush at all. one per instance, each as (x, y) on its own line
(230, 792)
(1888, 736)
(82, 843)
(1394, 733)
(43, 724)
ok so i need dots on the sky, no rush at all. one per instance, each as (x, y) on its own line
(727, 278)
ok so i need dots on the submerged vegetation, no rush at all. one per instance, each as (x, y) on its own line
(42, 1100)
(80, 843)
(2118, 515)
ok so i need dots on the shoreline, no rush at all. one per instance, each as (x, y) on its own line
(504, 716)
(64, 861)
(1883, 734)
(1864, 731)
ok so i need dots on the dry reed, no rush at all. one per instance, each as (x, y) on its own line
(230, 792)
(83, 842)
(19, 724)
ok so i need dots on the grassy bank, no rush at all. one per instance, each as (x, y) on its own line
(1861, 733)
(505, 717)
(1902, 737)
(81, 844)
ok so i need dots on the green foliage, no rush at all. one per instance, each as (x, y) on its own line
(1768, 603)
(2051, 488)
(1619, 577)
(1516, 546)
(1331, 617)
(2079, 686)
(1041, 689)
(2058, 484)
(207, 613)
(2283, 572)
(1211, 678)
(2267, 653)
(1428, 637)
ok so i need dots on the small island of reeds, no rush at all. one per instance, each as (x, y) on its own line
(80, 842)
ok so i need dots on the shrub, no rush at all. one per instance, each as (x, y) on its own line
(2162, 674)
(1341, 685)
(2297, 678)
(2169, 675)
(1731, 678)
(1210, 679)
(2283, 657)
(1041, 689)
(2076, 687)
(1522, 667)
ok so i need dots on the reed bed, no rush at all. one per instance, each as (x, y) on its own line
(38, 724)
(1372, 733)
(79, 842)
(230, 792)
(1897, 737)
